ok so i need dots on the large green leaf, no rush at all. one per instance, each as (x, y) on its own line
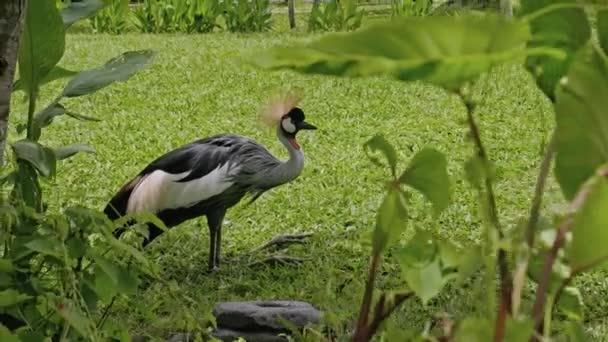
(11, 297)
(70, 150)
(122, 280)
(582, 120)
(7, 336)
(119, 68)
(426, 281)
(442, 50)
(56, 73)
(47, 246)
(379, 143)
(75, 11)
(77, 320)
(42, 43)
(564, 28)
(390, 219)
(427, 173)
(589, 233)
(602, 29)
(39, 156)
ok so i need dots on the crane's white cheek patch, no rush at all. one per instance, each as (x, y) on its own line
(288, 125)
(160, 190)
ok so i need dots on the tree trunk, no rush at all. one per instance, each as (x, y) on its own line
(291, 14)
(12, 14)
(506, 8)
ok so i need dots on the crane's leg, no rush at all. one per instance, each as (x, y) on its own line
(214, 221)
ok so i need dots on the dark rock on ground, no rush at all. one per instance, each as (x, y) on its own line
(264, 315)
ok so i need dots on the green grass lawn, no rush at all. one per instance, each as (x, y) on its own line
(197, 87)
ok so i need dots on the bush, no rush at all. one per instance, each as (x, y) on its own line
(247, 15)
(411, 7)
(156, 16)
(335, 16)
(113, 18)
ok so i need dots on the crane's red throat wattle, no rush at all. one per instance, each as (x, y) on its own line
(294, 143)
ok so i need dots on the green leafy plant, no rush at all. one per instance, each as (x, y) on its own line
(335, 16)
(154, 16)
(113, 18)
(411, 8)
(247, 15)
(553, 40)
(56, 282)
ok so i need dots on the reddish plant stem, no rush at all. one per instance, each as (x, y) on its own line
(541, 291)
(381, 314)
(539, 189)
(506, 283)
(361, 329)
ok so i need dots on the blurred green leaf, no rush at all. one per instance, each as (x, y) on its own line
(7, 336)
(571, 304)
(419, 250)
(443, 50)
(47, 246)
(390, 220)
(427, 173)
(474, 330)
(27, 185)
(56, 73)
(119, 68)
(11, 297)
(70, 150)
(6, 265)
(426, 281)
(75, 11)
(589, 236)
(566, 29)
(45, 117)
(602, 28)
(30, 336)
(518, 329)
(122, 279)
(379, 143)
(42, 43)
(77, 320)
(103, 285)
(559, 272)
(471, 262)
(582, 124)
(39, 156)
(450, 255)
(576, 332)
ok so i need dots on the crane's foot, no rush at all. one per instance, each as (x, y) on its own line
(284, 240)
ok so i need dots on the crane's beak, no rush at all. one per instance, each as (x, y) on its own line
(306, 125)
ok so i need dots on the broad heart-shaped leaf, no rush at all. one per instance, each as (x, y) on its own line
(390, 220)
(582, 120)
(519, 329)
(41, 157)
(11, 297)
(442, 50)
(427, 173)
(122, 280)
(379, 143)
(56, 73)
(589, 233)
(70, 150)
(426, 281)
(602, 29)
(119, 68)
(42, 43)
(419, 251)
(571, 303)
(75, 11)
(47, 246)
(474, 330)
(565, 28)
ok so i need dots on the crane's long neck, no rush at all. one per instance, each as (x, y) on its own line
(288, 170)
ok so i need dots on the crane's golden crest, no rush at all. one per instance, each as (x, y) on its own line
(277, 107)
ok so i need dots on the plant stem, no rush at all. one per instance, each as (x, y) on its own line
(381, 313)
(539, 190)
(362, 328)
(506, 283)
(30, 114)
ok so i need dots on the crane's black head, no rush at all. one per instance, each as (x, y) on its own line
(293, 122)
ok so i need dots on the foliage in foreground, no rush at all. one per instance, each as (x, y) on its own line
(571, 70)
(59, 273)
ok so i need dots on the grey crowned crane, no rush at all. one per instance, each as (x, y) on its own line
(208, 176)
